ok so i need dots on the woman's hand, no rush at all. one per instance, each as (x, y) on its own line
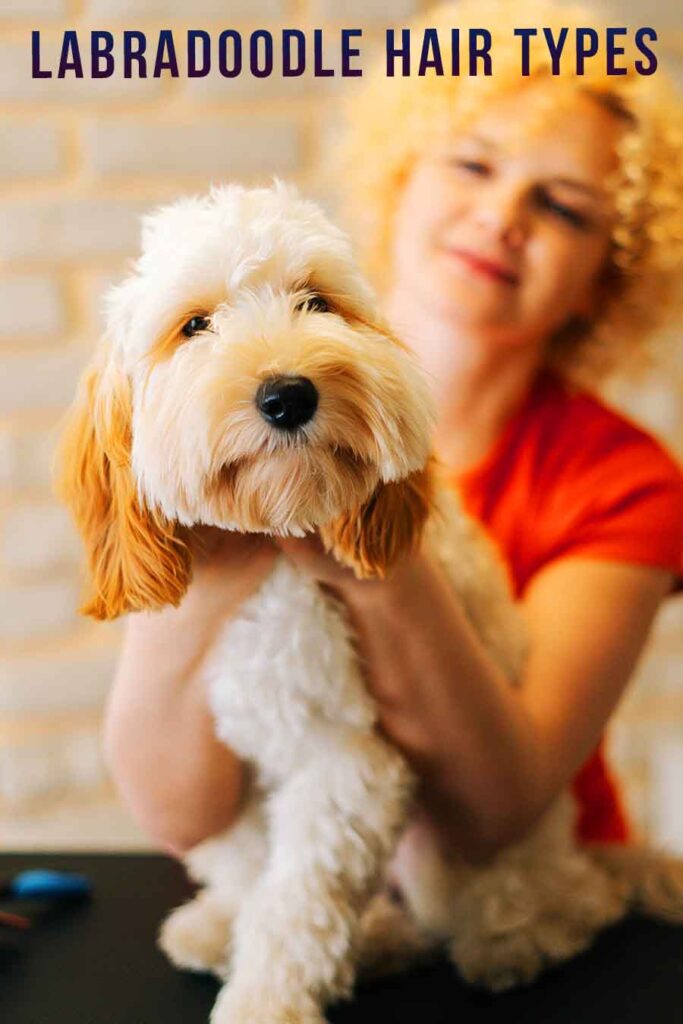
(180, 782)
(309, 555)
(367, 600)
(492, 758)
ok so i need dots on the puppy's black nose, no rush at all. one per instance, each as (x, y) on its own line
(287, 402)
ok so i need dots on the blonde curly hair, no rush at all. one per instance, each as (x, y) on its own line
(391, 120)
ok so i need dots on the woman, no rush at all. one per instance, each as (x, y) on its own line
(523, 234)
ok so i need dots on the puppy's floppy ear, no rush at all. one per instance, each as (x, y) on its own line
(137, 559)
(372, 537)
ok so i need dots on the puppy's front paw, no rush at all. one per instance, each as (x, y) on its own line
(514, 929)
(501, 959)
(237, 1006)
(196, 936)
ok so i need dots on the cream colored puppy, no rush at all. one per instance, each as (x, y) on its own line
(246, 382)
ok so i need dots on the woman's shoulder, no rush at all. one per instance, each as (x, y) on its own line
(574, 476)
(578, 431)
(607, 487)
(568, 447)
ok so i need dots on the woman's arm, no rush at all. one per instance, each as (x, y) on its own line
(492, 758)
(179, 781)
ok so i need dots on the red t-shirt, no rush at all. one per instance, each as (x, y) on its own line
(571, 477)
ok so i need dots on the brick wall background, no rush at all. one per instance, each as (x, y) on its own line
(79, 161)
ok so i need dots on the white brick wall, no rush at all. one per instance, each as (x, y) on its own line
(667, 807)
(45, 380)
(171, 10)
(215, 88)
(71, 820)
(72, 677)
(670, 621)
(214, 148)
(652, 400)
(70, 229)
(43, 9)
(26, 459)
(94, 286)
(36, 150)
(348, 12)
(31, 308)
(41, 767)
(663, 15)
(38, 537)
(35, 610)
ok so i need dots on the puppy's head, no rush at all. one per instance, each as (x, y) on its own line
(244, 382)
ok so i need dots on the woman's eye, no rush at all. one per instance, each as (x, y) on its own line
(565, 213)
(313, 303)
(195, 325)
(471, 166)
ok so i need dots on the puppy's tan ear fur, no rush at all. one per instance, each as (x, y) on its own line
(370, 539)
(137, 559)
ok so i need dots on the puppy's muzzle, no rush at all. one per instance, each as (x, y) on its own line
(287, 402)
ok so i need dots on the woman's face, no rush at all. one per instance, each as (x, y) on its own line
(505, 230)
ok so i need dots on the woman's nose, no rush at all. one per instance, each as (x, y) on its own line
(502, 213)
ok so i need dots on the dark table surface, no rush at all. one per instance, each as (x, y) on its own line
(98, 964)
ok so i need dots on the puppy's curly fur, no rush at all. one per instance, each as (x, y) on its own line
(233, 293)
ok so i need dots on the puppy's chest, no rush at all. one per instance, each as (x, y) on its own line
(283, 671)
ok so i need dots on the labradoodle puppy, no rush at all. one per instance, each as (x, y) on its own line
(245, 381)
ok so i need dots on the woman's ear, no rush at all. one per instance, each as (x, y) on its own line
(137, 559)
(376, 534)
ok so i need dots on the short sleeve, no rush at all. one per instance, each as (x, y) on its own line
(621, 500)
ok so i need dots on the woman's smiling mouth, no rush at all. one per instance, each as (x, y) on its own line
(488, 267)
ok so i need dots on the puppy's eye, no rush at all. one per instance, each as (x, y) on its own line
(195, 325)
(313, 303)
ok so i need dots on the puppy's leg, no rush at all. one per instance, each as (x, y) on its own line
(198, 935)
(515, 923)
(391, 941)
(333, 825)
(537, 904)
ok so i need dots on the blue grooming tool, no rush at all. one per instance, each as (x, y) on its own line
(43, 883)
